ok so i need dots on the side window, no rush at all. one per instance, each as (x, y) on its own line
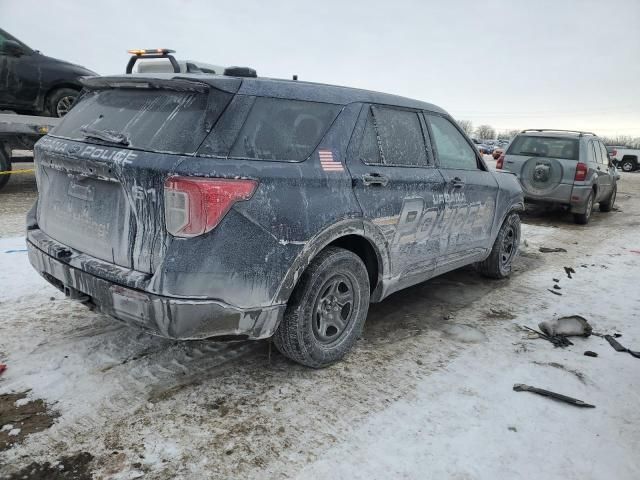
(595, 151)
(369, 152)
(400, 137)
(280, 129)
(605, 154)
(453, 150)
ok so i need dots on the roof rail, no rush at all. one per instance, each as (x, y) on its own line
(557, 130)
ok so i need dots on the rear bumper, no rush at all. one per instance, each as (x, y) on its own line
(179, 318)
(574, 196)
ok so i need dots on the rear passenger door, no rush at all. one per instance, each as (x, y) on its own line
(605, 174)
(470, 193)
(395, 182)
(601, 172)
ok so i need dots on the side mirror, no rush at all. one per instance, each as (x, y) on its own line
(13, 48)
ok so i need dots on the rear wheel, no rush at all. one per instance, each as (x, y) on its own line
(608, 205)
(583, 218)
(5, 166)
(60, 101)
(327, 310)
(627, 165)
(499, 263)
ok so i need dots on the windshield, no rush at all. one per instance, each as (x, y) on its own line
(157, 120)
(552, 147)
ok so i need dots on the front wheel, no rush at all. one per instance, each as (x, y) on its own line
(60, 101)
(583, 218)
(327, 310)
(499, 263)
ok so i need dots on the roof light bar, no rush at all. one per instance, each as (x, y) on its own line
(150, 51)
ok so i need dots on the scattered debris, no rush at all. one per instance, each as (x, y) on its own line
(552, 250)
(554, 292)
(574, 325)
(521, 387)
(557, 287)
(501, 314)
(3, 367)
(569, 271)
(558, 341)
(589, 353)
(512, 429)
(579, 375)
(619, 348)
(555, 280)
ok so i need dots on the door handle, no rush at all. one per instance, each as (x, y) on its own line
(457, 182)
(375, 179)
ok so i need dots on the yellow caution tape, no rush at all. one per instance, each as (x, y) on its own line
(16, 172)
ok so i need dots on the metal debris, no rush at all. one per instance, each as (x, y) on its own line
(552, 250)
(619, 348)
(521, 387)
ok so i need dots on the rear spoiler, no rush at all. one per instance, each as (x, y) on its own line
(176, 84)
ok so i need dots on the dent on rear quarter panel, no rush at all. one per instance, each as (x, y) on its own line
(245, 260)
(510, 197)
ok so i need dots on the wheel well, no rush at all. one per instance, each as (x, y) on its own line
(363, 248)
(630, 157)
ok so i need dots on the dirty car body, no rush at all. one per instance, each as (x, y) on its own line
(297, 167)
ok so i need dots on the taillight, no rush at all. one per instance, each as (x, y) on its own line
(614, 152)
(581, 172)
(500, 162)
(193, 205)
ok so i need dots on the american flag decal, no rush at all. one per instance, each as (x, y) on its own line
(328, 163)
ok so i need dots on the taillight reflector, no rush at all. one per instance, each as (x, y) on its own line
(581, 172)
(500, 162)
(193, 205)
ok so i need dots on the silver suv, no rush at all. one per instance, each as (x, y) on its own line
(568, 168)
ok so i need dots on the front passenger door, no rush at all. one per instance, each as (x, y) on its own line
(470, 194)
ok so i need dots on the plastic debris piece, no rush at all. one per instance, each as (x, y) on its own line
(570, 326)
(569, 271)
(521, 387)
(3, 367)
(551, 250)
(554, 292)
(589, 353)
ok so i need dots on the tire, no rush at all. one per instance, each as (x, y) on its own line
(627, 165)
(60, 101)
(500, 261)
(5, 165)
(583, 218)
(310, 331)
(607, 206)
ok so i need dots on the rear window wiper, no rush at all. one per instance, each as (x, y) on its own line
(105, 135)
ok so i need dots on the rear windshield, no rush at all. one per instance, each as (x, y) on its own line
(553, 147)
(280, 129)
(149, 119)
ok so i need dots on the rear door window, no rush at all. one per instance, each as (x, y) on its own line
(538, 146)
(453, 150)
(400, 137)
(156, 120)
(281, 129)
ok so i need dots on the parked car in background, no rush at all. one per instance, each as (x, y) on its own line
(563, 167)
(183, 224)
(628, 159)
(35, 84)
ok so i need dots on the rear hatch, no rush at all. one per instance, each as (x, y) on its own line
(542, 163)
(101, 172)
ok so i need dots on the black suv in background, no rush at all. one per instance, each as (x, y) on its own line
(201, 205)
(33, 83)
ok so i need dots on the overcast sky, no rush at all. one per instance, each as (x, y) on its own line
(508, 63)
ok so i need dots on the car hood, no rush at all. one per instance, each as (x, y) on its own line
(79, 69)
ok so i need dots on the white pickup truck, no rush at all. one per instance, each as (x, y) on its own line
(628, 159)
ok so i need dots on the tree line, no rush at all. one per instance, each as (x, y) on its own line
(487, 132)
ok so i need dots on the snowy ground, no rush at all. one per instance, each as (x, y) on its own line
(427, 393)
